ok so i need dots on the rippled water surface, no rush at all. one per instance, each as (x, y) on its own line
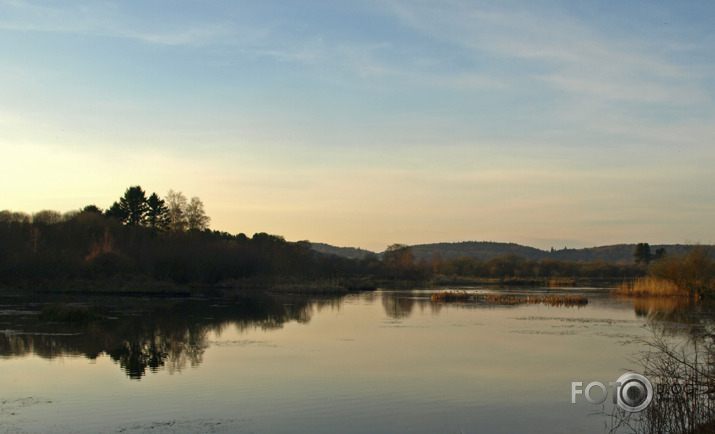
(386, 361)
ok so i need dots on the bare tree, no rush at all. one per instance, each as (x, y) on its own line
(176, 214)
(7, 216)
(47, 217)
(399, 260)
(195, 215)
(682, 370)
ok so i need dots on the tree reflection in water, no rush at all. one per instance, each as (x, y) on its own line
(398, 305)
(150, 334)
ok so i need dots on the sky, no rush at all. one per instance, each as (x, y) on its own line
(365, 123)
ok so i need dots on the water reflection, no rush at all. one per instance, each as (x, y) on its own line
(398, 306)
(659, 306)
(674, 316)
(143, 335)
(389, 361)
(401, 304)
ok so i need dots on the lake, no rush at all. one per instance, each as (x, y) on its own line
(383, 361)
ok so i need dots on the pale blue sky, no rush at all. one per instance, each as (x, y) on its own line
(365, 123)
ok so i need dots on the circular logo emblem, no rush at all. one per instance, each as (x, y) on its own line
(635, 392)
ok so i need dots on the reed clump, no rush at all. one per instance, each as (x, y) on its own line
(649, 287)
(451, 296)
(510, 300)
(501, 299)
(563, 300)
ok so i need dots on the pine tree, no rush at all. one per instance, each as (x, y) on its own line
(134, 205)
(157, 213)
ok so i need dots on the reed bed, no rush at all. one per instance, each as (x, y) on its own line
(447, 296)
(649, 287)
(502, 299)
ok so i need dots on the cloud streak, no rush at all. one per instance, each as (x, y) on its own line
(561, 50)
(108, 19)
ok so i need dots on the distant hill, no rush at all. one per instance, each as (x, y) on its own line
(615, 253)
(478, 249)
(347, 252)
(484, 250)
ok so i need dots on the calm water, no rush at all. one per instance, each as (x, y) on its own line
(388, 361)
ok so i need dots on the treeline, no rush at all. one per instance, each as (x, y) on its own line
(168, 240)
(488, 249)
(95, 245)
(400, 263)
(162, 239)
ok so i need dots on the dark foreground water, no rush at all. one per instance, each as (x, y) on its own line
(386, 361)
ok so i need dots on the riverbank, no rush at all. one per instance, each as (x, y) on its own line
(142, 286)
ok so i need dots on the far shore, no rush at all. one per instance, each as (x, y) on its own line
(141, 286)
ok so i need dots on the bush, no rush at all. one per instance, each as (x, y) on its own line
(693, 272)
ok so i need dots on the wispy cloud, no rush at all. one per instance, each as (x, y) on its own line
(561, 50)
(110, 20)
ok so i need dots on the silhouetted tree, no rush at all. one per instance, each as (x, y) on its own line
(176, 215)
(117, 212)
(660, 253)
(156, 214)
(46, 217)
(134, 205)
(7, 216)
(642, 254)
(92, 208)
(69, 215)
(195, 215)
(398, 260)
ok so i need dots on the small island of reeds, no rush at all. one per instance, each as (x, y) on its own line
(502, 299)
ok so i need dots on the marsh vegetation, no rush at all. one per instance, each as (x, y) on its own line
(688, 275)
(566, 300)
